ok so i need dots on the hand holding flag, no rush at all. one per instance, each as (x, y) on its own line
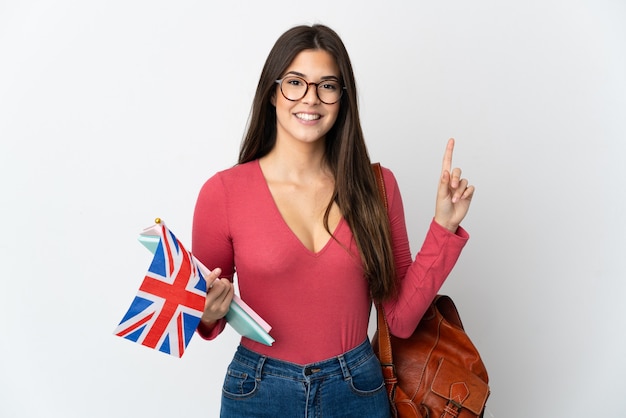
(169, 303)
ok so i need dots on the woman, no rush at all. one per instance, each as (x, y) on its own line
(301, 221)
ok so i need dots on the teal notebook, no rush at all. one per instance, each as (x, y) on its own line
(241, 317)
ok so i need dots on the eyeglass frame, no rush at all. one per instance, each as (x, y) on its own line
(317, 93)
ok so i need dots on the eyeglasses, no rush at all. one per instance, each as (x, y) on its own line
(295, 88)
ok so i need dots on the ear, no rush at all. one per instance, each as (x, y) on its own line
(273, 99)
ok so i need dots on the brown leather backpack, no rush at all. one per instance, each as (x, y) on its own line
(435, 373)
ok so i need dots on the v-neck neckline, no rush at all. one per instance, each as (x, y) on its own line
(286, 225)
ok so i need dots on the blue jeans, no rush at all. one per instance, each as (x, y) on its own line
(349, 385)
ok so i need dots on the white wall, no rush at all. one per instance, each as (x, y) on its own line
(113, 113)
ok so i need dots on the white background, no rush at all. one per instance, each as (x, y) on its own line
(115, 112)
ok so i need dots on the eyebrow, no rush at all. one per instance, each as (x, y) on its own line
(327, 77)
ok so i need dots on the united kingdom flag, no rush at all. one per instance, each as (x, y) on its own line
(167, 309)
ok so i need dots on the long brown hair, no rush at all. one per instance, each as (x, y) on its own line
(356, 192)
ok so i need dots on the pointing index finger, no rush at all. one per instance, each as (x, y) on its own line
(447, 157)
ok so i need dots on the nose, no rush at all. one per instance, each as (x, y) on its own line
(311, 95)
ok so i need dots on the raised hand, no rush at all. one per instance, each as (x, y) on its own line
(454, 194)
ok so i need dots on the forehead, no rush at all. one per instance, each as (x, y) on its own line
(314, 63)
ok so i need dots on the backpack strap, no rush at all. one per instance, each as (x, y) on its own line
(384, 342)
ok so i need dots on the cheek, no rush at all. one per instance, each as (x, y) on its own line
(281, 104)
(334, 116)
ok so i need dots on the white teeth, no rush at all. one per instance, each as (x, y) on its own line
(307, 116)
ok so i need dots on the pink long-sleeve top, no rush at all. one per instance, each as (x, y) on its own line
(318, 304)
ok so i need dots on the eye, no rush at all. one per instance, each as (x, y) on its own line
(330, 86)
(293, 81)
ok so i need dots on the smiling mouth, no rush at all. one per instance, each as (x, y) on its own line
(307, 116)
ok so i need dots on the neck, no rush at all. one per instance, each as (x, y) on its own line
(295, 162)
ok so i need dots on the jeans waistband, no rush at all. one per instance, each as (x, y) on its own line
(335, 365)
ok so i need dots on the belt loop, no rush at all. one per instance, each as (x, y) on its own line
(259, 368)
(345, 370)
